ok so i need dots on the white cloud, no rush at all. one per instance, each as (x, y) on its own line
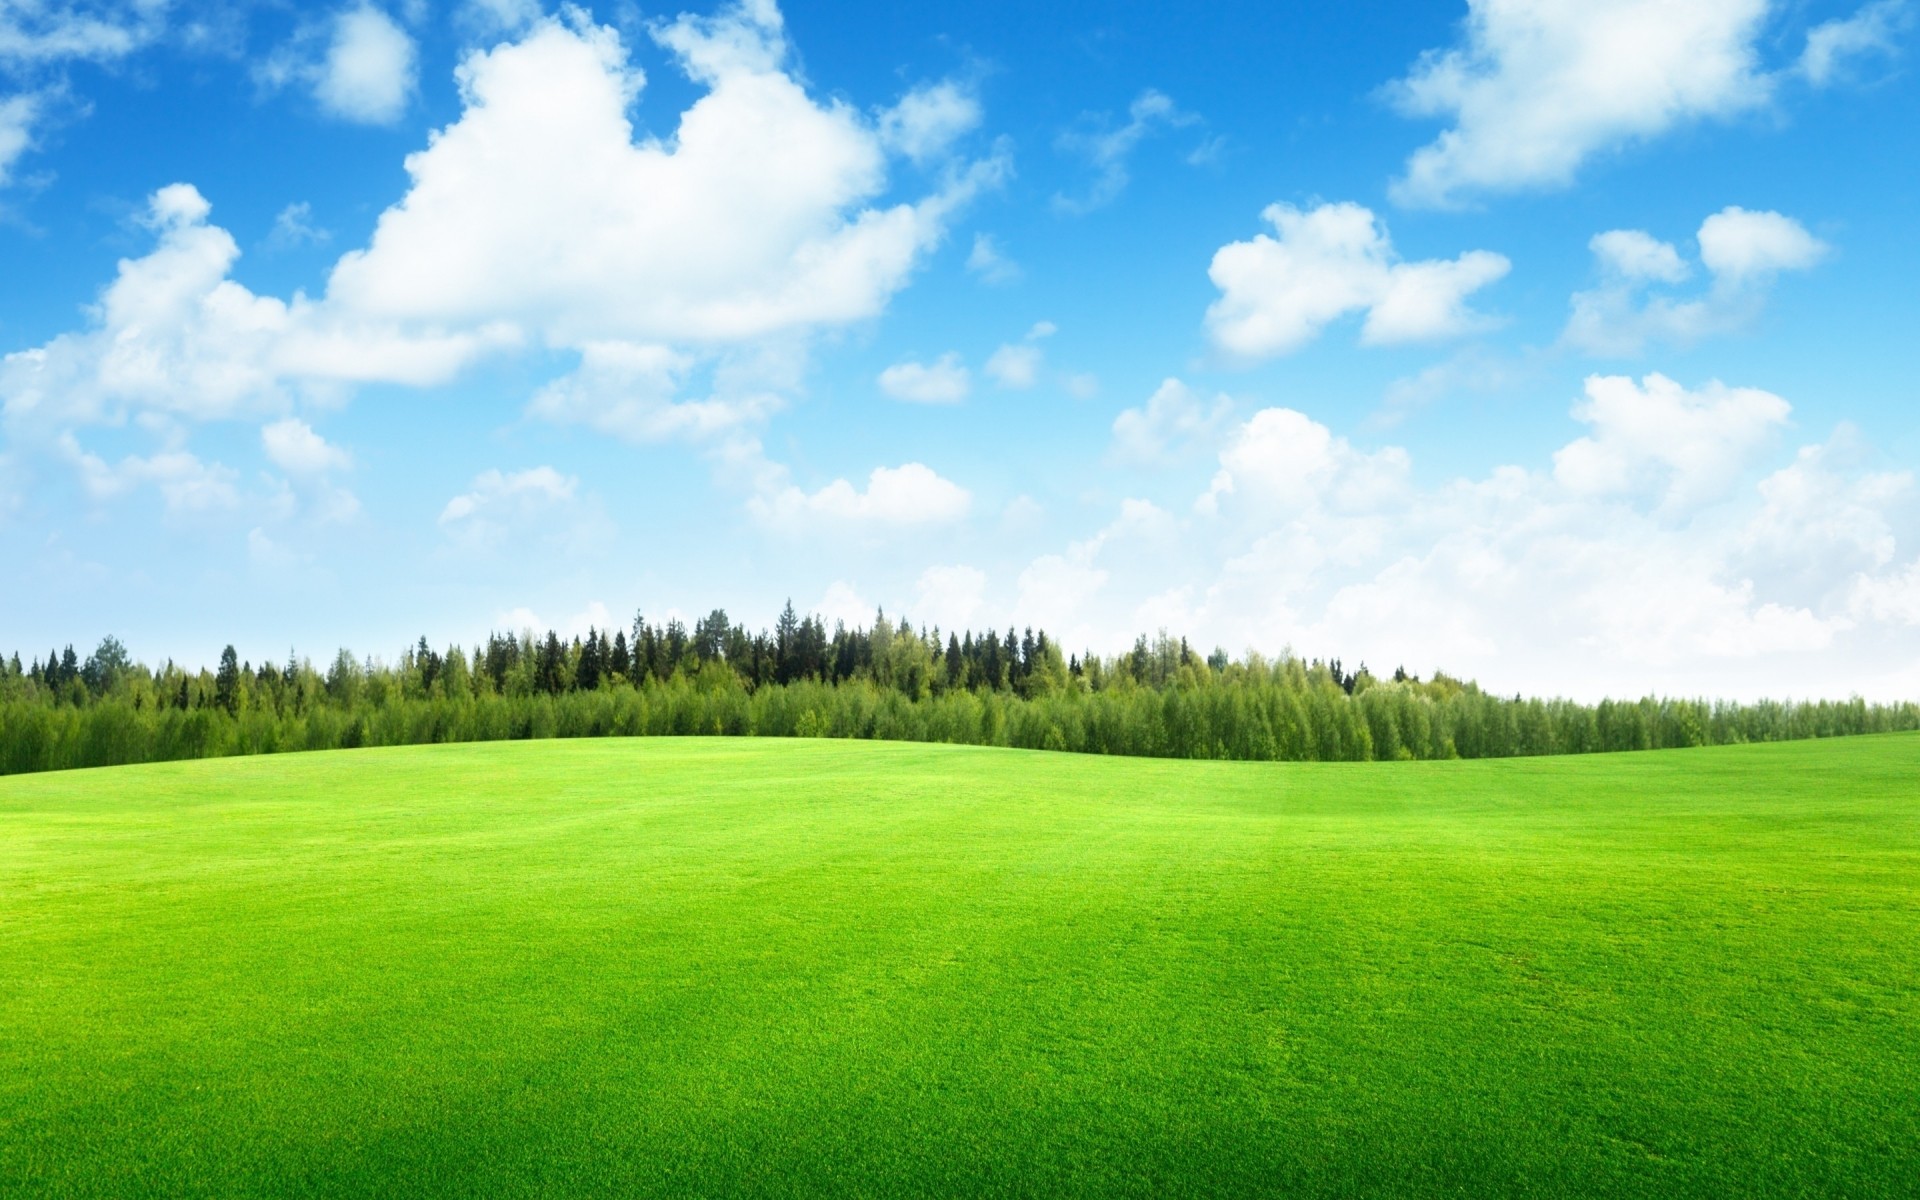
(358, 63)
(174, 334)
(1062, 593)
(538, 206)
(843, 605)
(1055, 592)
(507, 518)
(293, 227)
(38, 39)
(521, 619)
(36, 33)
(491, 17)
(1173, 423)
(1742, 252)
(943, 381)
(1536, 89)
(1892, 599)
(630, 391)
(1107, 149)
(1833, 46)
(17, 117)
(989, 261)
(185, 483)
(1742, 246)
(1015, 366)
(294, 447)
(901, 497)
(1635, 254)
(1282, 460)
(928, 120)
(1660, 439)
(495, 495)
(759, 223)
(1662, 552)
(950, 597)
(368, 74)
(1277, 294)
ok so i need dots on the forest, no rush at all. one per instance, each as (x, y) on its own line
(886, 681)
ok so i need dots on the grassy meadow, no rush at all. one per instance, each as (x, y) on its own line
(807, 967)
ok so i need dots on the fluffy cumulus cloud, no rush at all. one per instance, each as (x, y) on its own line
(1535, 89)
(1016, 365)
(943, 381)
(368, 72)
(1279, 290)
(928, 120)
(309, 464)
(895, 498)
(686, 274)
(1742, 246)
(1283, 461)
(293, 446)
(1658, 439)
(1634, 303)
(1062, 593)
(174, 334)
(758, 223)
(540, 207)
(1636, 255)
(1663, 546)
(1892, 599)
(358, 64)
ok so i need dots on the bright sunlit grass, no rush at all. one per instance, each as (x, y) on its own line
(805, 967)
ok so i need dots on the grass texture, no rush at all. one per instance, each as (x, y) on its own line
(800, 968)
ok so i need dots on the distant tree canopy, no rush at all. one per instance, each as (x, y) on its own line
(889, 680)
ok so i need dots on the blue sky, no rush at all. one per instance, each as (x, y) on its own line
(1568, 346)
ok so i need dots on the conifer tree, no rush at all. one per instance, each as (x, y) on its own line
(226, 681)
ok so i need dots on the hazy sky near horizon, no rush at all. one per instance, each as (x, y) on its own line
(1569, 346)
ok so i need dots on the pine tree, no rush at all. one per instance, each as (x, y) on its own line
(588, 677)
(621, 661)
(546, 671)
(786, 638)
(226, 682)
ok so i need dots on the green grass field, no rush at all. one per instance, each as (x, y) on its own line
(803, 968)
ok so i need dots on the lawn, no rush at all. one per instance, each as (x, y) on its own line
(777, 967)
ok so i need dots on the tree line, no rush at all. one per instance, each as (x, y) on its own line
(888, 680)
